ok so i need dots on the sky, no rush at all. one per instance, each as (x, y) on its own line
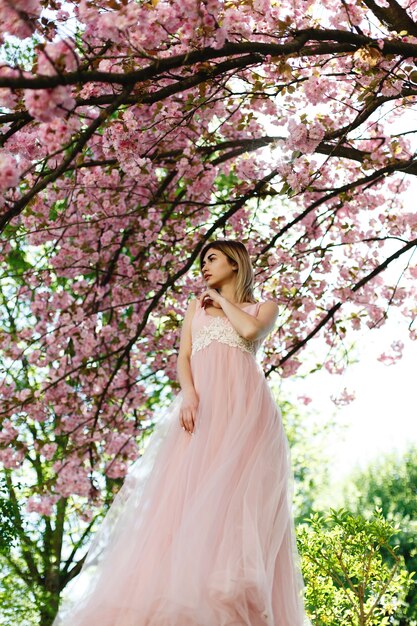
(383, 416)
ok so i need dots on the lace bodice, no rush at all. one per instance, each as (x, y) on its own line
(207, 328)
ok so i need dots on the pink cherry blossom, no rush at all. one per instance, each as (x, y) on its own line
(279, 147)
(42, 504)
(12, 458)
(72, 478)
(8, 432)
(304, 137)
(397, 348)
(45, 104)
(344, 398)
(290, 367)
(17, 18)
(9, 170)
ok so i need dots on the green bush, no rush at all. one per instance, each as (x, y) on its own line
(353, 574)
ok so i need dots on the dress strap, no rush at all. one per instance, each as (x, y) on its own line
(257, 307)
(198, 307)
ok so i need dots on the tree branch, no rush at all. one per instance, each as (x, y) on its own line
(22, 202)
(336, 41)
(333, 310)
(395, 17)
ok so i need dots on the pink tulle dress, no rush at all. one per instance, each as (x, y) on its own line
(201, 532)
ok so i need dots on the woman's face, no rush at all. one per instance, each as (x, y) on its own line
(216, 268)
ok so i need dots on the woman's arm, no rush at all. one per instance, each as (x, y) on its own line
(248, 326)
(183, 360)
(188, 409)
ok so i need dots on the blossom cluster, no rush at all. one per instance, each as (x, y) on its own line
(223, 130)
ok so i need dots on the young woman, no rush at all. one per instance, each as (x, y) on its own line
(201, 533)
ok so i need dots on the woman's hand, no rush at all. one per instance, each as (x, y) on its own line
(211, 297)
(188, 411)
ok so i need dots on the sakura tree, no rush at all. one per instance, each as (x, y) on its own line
(134, 132)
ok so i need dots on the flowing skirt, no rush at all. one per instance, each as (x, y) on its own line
(201, 532)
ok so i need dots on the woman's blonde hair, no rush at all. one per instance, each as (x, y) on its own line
(236, 254)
